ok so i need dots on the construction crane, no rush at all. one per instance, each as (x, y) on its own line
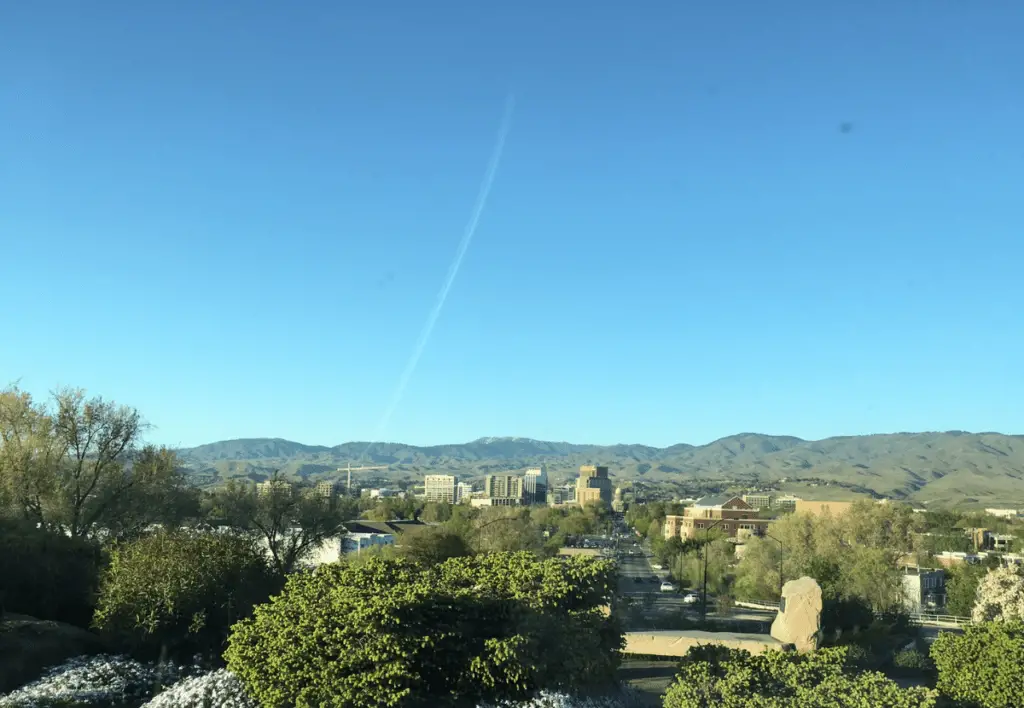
(350, 469)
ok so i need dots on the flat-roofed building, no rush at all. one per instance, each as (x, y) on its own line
(440, 488)
(535, 485)
(759, 501)
(593, 485)
(504, 489)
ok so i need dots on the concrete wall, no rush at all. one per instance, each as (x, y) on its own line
(677, 643)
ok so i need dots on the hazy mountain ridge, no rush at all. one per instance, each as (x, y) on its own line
(926, 466)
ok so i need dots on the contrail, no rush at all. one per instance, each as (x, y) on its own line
(453, 270)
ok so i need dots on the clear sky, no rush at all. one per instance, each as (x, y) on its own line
(787, 217)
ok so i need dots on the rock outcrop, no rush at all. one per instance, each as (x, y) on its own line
(799, 619)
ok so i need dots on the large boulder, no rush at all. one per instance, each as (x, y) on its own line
(799, 619)
(28, 646)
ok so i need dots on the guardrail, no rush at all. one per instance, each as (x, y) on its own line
(757, 605)
(933, 618)
(915, 617)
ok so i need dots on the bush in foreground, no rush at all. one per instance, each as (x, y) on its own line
(47, 575)
(179, 593)
(982, 666)
(736, 679)
(466, 631)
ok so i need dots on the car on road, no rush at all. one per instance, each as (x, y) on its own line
(668, 587)
(638, 579)
(691, 598)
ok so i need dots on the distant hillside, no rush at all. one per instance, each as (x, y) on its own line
(946, 467)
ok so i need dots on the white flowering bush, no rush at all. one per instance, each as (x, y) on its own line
(94, 681)
(219, 689)
(117, 682)
(1000, 596)
(547, 699)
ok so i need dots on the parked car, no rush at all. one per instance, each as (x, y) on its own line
(691, 598)
(657, 566)
(668, 587)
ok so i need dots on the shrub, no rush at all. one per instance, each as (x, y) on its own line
(179, 593)
(48, 575)
(785, 680)
(911, 663)
(395, 633)
(982, 666)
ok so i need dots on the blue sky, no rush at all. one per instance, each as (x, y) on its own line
(799, 218)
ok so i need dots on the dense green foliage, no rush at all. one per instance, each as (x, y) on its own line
(982, 667)
(962, 588)
(76, 465)
(735, 679)
(180, 593)
(394, 633)
(46, 574)
(854, 556)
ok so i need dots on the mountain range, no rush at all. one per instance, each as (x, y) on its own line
(934, 467)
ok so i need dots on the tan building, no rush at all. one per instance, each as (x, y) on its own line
(326, 489)
(277, 486)
(504, 489)
(731, 515)
(593, 485)
(820, 508)
(440, 488)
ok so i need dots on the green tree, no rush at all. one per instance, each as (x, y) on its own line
(757, 573)
(77, 465)
(735, 679)
(434, 512)
(430, 545)
(288, 523)
(962, 588)
(466, 631)
(982, 667)
(503, 530)
(179, 592)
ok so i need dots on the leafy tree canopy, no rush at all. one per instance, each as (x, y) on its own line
(465, 631)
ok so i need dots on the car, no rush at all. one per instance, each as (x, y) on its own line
(638, 579)
(668, 587)
(656, 566)
(691, 598)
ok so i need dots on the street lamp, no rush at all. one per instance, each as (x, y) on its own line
(704, 598)
(782, 553)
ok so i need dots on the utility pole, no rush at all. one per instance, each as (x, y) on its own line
(704, 594)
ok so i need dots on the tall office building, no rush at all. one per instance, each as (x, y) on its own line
(440, 488)
(593, 485)
(535, 485)
(504, 489)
